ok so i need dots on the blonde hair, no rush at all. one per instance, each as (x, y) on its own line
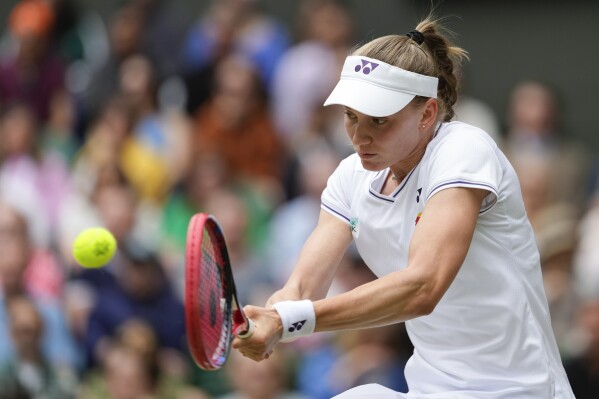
(435, 56)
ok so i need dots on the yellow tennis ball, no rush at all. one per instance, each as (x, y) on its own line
(94, 247)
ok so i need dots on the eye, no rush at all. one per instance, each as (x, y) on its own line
(350, 116)
(379, 121)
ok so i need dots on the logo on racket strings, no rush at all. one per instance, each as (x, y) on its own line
(296, 326)
(213, 308)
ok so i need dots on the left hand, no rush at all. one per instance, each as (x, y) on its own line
(267, 333)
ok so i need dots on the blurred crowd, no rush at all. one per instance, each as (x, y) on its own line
(135, 122)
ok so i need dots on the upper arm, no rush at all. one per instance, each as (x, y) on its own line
(320, 257)
(442, 239)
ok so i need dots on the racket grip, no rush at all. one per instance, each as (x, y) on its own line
(249, 330)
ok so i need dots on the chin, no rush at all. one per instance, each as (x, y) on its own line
(372, 167)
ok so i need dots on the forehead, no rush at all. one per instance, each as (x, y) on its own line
(396, 115)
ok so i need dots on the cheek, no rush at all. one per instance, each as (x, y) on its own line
(348, 126)
(350, 129)
(400, 140)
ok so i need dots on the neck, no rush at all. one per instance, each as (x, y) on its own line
(401, 169)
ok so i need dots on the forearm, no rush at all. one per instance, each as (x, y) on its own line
(315, 269)
(397, 297)
(318, 261)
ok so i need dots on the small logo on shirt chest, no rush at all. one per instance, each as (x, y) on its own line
(418, 193)
(353, 226)
(417, 218)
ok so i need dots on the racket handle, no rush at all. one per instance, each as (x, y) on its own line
(248, 331)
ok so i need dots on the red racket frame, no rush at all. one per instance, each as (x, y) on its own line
(240, 325)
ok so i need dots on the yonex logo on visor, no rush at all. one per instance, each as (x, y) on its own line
(366, 67)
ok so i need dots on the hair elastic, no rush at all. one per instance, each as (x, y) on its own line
(417, 36)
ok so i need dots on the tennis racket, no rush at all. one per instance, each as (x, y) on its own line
(213, 315)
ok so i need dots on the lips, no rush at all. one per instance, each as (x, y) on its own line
(366, 155)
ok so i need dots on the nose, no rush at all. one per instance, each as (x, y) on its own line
(360, 135)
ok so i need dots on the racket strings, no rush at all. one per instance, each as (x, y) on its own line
(215, 302)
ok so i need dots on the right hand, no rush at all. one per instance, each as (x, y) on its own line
(267, 333)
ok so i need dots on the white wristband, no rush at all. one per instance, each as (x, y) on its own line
(298, 319)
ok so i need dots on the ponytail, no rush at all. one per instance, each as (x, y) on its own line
(446, 57)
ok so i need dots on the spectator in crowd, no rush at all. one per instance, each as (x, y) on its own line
(557, 238)
(206, 175)
(29, 374)
(112, 152)
(19, 276)
(236, 26)
(126, 374)
(266, 380)
(58, 133)
(140, 291)
(235, 124)
(160, 153)
(586, 269)
(583, 370)
(252, 276)
(111, 197)
(162, 35)
(112, 203)
(475, 111)
(33, 267)
(65, 35)
(134, 368)
(535, 174)
(294, 220)
(124, 37)
(34, 73)
(533, 127)
(29, 174)
(105, 139)
(308, 71)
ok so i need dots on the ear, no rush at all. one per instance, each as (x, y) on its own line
(429, 113)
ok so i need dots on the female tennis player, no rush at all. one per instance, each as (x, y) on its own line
(436, 212)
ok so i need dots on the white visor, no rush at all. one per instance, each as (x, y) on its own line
(375, 88)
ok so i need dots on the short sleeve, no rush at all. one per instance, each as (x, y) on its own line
(465, 158)
(335, 198)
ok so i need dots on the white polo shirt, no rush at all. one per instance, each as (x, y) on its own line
(490, 335)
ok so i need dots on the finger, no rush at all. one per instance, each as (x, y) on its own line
(254, 356)
(240, 343)
(251, 310)
(251, 326)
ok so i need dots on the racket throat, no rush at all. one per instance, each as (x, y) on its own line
(240, 324)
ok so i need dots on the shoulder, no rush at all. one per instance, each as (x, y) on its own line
(461, 133)
(458, 140)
